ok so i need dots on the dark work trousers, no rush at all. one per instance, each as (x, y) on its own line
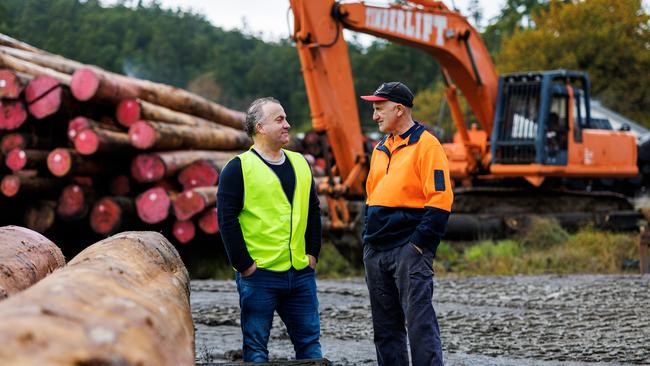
(400, 283)
(293, 295)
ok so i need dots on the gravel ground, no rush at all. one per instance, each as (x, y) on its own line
(522, 320)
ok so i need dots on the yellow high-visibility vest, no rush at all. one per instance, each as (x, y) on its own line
(273, 228)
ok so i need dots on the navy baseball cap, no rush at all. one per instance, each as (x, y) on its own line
(393, 91)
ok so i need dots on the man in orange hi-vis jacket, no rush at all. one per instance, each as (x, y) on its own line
(408, 205)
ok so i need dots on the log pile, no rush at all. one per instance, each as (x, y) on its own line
(84, 146)
(121, 301)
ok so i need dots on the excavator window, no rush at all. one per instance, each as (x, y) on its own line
(557, 129)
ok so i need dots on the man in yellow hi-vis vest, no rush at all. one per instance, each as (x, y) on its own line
(269, 218)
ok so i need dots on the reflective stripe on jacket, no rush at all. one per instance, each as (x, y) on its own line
(273, 227)
(409, 191)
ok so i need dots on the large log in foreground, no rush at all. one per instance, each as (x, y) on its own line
(121, 301)
(25, 258)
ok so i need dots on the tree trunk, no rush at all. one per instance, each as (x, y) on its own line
(24, 140)
(201, 173)
(193, 201)
(208, 222)
(81, 123)
(155, 166)
(13, 184)
(160, 136)
(184, 231)
(12, 83)
(130, 111)
(12, 114)
(123, 300)
(74, 202)
(40, 215)
(62, 161)
(93, 140)
(29, 68)
(19, 159)
(25, 258)
(90, 83)
(109, 214)
(152, 205)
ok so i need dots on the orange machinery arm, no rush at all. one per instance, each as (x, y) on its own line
(429, 25)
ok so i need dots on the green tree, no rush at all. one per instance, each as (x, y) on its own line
(609, 40)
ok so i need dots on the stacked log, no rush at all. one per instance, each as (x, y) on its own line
(121, 301)
(84, 146)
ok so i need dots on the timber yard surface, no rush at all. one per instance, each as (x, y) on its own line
(522, 320)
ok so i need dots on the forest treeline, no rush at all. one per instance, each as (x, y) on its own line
(609, 39)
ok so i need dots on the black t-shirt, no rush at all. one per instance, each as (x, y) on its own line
(230, 201)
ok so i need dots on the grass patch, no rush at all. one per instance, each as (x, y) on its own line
(539, 252)
(331, 264)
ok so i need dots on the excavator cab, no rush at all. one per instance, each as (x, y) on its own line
(542, 127)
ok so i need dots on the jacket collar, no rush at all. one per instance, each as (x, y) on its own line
(413, 134)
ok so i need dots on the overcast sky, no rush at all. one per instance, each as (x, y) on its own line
(268, 18)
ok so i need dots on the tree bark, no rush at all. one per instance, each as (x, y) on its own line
(160, 136)
(12, 83)
(25, 258)
(155, 166)
(130, 111)
(88, 83)
(19, 159)
(96, 139)
(13, 184)
(123, 300)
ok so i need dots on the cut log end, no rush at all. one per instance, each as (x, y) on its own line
(208, 221)
(59, 162)
(142, 135)
(201, 173)
(10, 185)
(10, 85)
(147, 168)
(12, 141)
(188, 204)
(72, 202)
(12, 114)
(84, 84)
(16, 159)
(43, 96)
(86, 142)
(128, 112)
(105, 216)
(184, 231)
(77, 125)
(153, 205)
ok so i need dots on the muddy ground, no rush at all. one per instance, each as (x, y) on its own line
(523, 320)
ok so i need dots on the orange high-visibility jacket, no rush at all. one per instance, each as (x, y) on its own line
(409, 191)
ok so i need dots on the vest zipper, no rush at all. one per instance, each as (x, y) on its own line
(390, 156)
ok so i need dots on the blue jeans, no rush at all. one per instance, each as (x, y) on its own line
(293, 295)
(400, 284)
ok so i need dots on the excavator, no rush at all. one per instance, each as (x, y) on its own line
(536, 148)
